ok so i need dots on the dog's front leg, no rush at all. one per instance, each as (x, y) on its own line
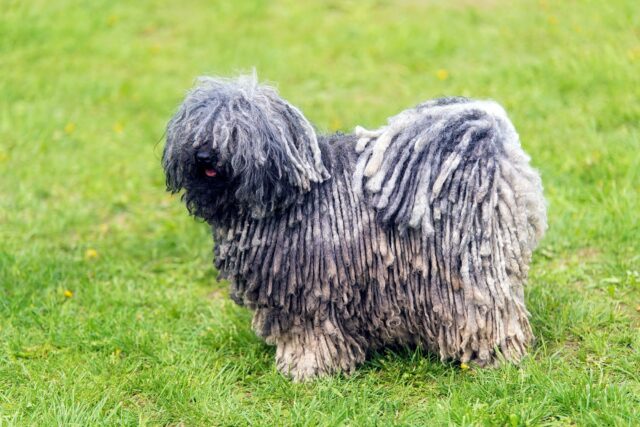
(310, 351)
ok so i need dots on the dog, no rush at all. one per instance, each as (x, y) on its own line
(419, 233)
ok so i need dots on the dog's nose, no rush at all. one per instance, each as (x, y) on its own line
(203, 156)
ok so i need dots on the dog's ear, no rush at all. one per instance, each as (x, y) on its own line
(270, 148)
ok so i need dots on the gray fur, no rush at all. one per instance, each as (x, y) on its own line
(419, 233)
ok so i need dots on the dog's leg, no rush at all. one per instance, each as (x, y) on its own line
(310, 351)
(482, 260)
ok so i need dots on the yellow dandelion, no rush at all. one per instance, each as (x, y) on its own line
(154, 48)
(464, 366)
(442, 74)
(552, 20)
(91, 254)
(69, 128)
(112, 20)
(118, 127)
(335, 124)
(68, 293)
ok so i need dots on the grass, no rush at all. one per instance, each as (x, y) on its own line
(110, 311)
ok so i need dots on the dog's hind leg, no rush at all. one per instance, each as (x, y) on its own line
(310, 351)
(486, 225)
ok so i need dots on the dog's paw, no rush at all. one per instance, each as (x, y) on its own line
(300, 367)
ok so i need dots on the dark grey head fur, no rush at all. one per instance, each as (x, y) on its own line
(264, 151)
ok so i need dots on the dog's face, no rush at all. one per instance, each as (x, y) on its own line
(235, 146)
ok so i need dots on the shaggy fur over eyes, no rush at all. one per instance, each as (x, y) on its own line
(265, 144)
(418, 233)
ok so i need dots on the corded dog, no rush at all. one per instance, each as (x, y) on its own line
(418, 233)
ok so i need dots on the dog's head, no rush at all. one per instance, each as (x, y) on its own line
(236, 145)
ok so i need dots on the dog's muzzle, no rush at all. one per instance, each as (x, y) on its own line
(205, 161)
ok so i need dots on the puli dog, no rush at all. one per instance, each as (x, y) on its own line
(418, 233)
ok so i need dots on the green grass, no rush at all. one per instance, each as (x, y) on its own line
(149, 336)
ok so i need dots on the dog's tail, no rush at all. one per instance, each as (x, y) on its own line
(454, 169)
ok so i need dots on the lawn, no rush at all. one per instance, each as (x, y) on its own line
(110, 310)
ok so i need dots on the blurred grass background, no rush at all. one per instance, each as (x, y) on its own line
(110, 311)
